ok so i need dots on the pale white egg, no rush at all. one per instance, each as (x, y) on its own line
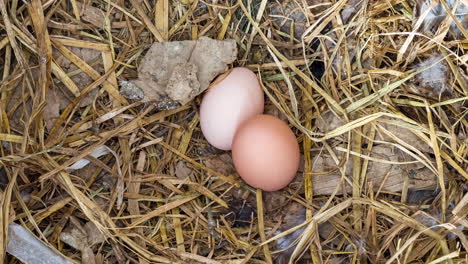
(231, 101)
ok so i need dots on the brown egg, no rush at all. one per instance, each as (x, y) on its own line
(265, 153)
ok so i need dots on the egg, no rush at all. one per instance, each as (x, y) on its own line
(232, 100)
(265, 153)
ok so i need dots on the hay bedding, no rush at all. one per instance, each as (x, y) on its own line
(375, 90)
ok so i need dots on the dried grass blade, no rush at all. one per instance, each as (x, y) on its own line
(215, 173)
(322, 22)
(112, 89)
(206, 192)
(384, 208)
(412, 150)
(363, 102)
(455, 19)
(179, 22)
(76, 10)
(309, 231)
(162, 209)
(11, 35)
(138, 6)
(81, 64)
(447, 258)
(11, 138)
(461, 209)
(107, 116)
(449, 102)
(179, 232)
(292, 95)
(65, 79)
(261, 226)
(366, 157)
(224, 27)
(454, 164)
(4, 221)
(4, 42)
(409, 242)
(187, 136)
(123, 10)
(81, 43)
(44, 46)
(440, 166)
(162, 18)
(301, 74)
(356, 184)
(104, 137)
(249, 256)
(418, 24)
(148, 143)
(197, 258)
(260, 12)
(101, 219)
(351, 125)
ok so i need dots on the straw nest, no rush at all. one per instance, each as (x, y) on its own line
(375, 91)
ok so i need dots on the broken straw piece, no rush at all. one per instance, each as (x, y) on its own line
(29, 249)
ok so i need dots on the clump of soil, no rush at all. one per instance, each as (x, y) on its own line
(178, 71)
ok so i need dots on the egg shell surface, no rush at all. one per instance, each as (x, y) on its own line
(266, 153)
(227, 104)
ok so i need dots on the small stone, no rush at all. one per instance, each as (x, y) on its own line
(131, 91)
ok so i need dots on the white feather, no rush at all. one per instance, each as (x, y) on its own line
(437, 15)
(100, 151)
(434, 76)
